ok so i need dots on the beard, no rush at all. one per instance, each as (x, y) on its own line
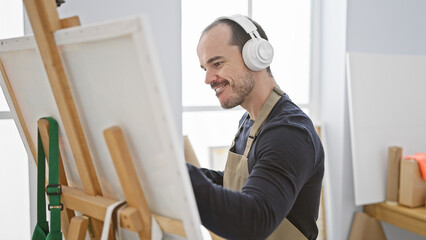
(241, 90)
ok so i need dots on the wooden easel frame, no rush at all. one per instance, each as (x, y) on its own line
(136, 216)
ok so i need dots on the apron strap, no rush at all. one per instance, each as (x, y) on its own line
(272, 99)
(238, 132)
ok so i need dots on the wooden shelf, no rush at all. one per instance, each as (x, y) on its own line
(411, 219)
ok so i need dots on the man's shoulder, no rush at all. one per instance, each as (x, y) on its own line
(287, 122)
(288, 114)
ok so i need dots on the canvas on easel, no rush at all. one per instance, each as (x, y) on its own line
(115, 81)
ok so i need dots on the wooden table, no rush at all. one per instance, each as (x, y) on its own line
(411, 219)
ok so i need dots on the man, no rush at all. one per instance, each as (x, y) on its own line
(271, 185)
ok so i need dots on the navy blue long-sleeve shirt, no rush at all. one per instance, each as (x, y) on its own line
(286, 167)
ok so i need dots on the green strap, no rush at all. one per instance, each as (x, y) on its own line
(53, 189)
(42, 227)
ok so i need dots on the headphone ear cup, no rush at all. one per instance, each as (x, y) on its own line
(257, 54)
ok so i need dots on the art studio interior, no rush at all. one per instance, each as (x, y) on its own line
(138, 118)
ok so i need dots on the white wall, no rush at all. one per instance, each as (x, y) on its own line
(339, 208)
(387, 26)
(165, 18)
(369, 26)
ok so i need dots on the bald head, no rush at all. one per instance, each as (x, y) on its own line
(238, 35)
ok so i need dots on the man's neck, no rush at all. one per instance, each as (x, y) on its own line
(257, 98)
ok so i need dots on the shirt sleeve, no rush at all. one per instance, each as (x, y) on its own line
(215, 176)
(282, 166)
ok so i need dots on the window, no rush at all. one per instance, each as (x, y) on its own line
(15, 207)
(288, 26)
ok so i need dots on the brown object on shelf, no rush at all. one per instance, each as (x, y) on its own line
(412, 187)
(411, 219)
(365, 227)
(392, 177)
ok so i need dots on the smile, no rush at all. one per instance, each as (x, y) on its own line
(218, 87)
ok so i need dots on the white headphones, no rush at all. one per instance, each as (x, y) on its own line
(257, 52)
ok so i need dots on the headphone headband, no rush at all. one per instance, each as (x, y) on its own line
(244, 22)
(257, 52)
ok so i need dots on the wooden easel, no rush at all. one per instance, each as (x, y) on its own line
(136, 216)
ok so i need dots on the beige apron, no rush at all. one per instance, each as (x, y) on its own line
(236, 169)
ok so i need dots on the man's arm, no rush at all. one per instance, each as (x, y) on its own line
(215, 176)
(281, 169)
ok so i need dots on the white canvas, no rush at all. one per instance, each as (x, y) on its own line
(114, 79)
(386, 108)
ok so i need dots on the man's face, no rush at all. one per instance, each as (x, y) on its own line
(225, 70)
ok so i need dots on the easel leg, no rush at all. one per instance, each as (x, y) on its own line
(78, 228)
(128, 178)
(45, 21)
(66, 215)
